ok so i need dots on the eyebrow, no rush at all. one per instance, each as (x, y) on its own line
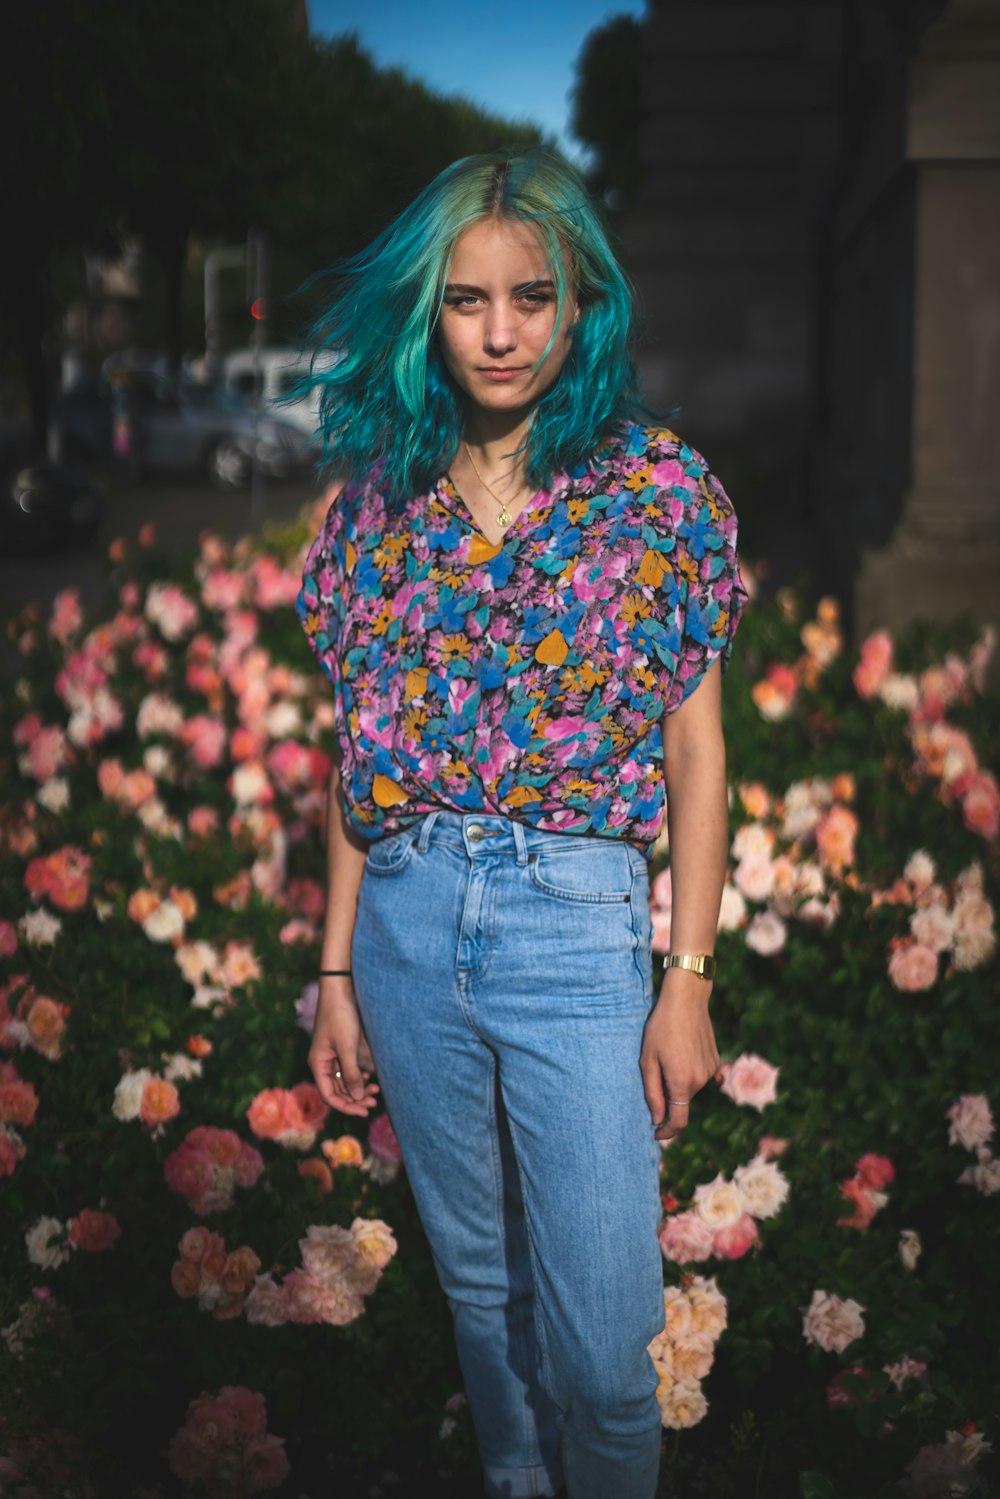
(540, 285)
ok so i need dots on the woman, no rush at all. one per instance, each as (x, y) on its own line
(515, 596)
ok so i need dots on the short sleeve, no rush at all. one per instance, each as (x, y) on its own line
(320, 602)
(713, 594)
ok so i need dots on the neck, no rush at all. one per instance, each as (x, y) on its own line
(495, 435)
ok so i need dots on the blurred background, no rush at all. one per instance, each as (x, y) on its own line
(806, 193)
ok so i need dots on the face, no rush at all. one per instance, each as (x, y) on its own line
(498, 315)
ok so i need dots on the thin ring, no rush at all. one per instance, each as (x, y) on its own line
(682, 1101)
(338, 1074)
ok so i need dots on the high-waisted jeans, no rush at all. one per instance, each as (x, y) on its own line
(504, 978)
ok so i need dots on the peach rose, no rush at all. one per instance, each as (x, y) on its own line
(684, 1406)
(46, 1023)
(185, 1277)
(981, 805)
(160, 1101)
(708, 1307)
(320, 1172)
(831, 1323)
(375, 1242)
(238, 1273)
(344, 1151)
(835, 835)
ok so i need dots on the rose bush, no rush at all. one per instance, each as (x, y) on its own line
(213, 1284)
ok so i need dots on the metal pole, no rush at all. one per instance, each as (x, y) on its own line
(257, 252)
(216, 261)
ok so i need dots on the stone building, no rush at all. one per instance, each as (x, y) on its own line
(817, 249)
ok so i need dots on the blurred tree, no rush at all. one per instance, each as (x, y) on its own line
(55, 189)
(606, 111)
(183, 120)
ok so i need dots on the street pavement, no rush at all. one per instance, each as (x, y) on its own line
(180, 511)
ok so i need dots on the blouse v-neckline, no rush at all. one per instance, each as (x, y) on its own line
(446, 488)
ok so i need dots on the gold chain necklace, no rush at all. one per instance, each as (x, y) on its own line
(504, 516)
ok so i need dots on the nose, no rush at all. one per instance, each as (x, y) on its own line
(499, 334)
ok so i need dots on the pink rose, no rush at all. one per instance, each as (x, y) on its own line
(875, 663)
(382, 1140)
(971, 1121)
(750, 1080)
(874, 1171)
(913, 967)
(94, 1231)
(981, 805)
(831, 1323)
(685, 1237)
(732, 1242)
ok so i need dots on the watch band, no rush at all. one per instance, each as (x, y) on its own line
(701, 963)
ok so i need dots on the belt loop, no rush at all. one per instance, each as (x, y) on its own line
(425, 832)
(520, 843)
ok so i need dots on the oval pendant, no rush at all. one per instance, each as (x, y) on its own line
(505, 517)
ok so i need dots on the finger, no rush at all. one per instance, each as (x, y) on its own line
(675, 1119)
(652, 1080)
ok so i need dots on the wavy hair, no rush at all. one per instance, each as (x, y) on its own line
(388, 396)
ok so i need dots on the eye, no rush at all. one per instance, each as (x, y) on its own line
(535, 298)
(461, 299)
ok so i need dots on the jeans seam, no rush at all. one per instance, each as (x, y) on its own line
(530, 1437)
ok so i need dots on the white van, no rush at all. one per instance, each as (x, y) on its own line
(275, 377)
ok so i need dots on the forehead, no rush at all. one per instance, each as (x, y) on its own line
(500, 248)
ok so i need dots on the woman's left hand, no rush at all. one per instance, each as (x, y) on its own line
(679, 1054)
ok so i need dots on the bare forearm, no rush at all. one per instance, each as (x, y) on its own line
(345, 862)
(698, 830)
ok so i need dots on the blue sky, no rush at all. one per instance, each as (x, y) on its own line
(514, 57)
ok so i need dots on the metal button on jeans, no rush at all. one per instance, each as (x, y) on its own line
(476, 833)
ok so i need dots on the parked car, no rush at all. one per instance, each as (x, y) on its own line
(45, 507)
(175, 425)
(272, 378)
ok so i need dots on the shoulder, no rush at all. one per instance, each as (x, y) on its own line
(669, 475)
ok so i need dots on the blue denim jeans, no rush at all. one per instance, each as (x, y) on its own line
(504, 977)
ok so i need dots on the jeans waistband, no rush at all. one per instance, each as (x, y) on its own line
(478, 832)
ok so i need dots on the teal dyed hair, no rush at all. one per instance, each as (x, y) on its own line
(389, 396)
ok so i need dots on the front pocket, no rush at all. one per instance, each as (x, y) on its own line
(391, 854)
(597, 874)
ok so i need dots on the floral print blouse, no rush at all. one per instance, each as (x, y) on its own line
(527, 679)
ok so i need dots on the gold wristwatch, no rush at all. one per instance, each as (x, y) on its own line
(701, 963)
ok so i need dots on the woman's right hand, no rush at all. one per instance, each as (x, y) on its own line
(339, 1057)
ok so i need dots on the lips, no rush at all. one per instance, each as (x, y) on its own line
(502, 373)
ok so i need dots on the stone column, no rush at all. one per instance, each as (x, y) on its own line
(944, 556)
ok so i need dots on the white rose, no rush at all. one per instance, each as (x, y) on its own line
(720, 1203)
(39, 928)
(763, 1186)
(41, 1251)
(899, 691)
(766, 933)
(910, 1248)
(753, 840)
(732, 910)
(128, 1094)
(920, 870)
(283, 720)
(166, 922)
(54, 794)
(933, 926)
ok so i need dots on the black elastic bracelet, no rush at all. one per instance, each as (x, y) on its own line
(336, 973)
